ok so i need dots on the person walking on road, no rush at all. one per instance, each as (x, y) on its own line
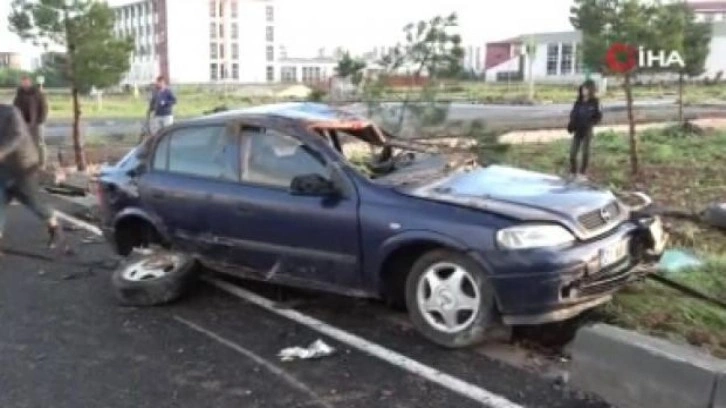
(19, 164)
(33, 106)
(585, 115)
(161, 105)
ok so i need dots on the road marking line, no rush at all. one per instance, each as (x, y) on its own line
(289, 379)
(79, 223)
(452, 383)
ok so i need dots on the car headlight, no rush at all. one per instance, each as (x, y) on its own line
(533, 236)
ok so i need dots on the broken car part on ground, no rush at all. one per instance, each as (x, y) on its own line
(270, 193)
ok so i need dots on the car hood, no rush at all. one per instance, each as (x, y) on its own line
(526, 195)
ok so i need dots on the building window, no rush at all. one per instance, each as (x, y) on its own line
(235, 51)
(223, 71)
(566, 61)
(270, 73)
(213, 30)
(288, 74)
(221, 31)
(213, 54)
(270, 13)
(270, 34)
(221, 9)
(235, 71)
(270, 53)
(553, 51)
(212, 8)
(233, 10)
(213, 72)
(235, 31)
(221, 51)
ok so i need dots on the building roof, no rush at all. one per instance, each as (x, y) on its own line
(315, 60)
(708, 6)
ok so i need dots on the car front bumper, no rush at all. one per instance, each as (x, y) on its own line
(549, 285)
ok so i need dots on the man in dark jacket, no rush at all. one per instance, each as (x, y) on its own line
(19, 163)
(32, 103)
(161, 105)
(585, 115)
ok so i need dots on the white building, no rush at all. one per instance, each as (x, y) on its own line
(200, 41)
(556, 57)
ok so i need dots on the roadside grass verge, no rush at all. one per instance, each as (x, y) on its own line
(194, 100)
(679, 171)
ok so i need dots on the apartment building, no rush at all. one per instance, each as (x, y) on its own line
(200, 41)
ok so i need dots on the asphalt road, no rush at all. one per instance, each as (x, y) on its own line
(500, 116)
(66, 343)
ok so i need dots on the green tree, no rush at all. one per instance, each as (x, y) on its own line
(695, 47)
(430, 54)
(349, 67)
(637, 23)
(10, 77)
(94, 57)
(529, 50)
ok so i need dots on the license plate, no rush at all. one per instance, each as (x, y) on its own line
(617, 252)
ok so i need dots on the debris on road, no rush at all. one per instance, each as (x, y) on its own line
(676, 260)
(715, 215)
(317, 349)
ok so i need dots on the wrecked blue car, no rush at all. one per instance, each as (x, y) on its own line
(310, 196)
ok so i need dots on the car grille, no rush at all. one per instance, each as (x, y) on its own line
(607, 280)
(594, 220)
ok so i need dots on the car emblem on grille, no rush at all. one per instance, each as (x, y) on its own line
(605, 214)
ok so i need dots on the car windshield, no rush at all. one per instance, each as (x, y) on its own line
(372, 160)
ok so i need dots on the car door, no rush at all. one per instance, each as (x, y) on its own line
(303, 239)
(188, 166)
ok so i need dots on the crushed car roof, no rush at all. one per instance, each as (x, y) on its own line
(305, 111)
(315, 115)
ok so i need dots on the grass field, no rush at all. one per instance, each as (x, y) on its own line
(683, 171)
(194, 101)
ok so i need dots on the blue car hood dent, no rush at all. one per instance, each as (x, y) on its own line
(520, 194)
(527, 188)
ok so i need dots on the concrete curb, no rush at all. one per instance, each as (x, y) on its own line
(631, 370)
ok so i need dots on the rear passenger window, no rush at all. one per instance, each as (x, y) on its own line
(200, 151)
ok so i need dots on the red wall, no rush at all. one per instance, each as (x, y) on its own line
(497, 53)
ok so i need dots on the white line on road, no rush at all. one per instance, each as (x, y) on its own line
(79, 223)
(289, 379)
(452, 383)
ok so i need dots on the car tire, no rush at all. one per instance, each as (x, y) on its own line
(153, 277)
(449, 299)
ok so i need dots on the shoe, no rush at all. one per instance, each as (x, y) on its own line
(53, 235)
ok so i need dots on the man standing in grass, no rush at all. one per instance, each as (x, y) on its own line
(161, 106)
(33, 106)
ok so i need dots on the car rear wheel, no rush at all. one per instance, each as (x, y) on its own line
(449, 299)
(153, 277)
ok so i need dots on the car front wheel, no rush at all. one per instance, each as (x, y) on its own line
(449, 299)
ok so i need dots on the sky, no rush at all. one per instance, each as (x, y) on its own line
(304, 26)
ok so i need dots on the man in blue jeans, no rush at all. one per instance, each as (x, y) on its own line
(19, 164)
(161, 106)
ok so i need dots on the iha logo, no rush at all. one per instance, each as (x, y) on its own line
(623, 58)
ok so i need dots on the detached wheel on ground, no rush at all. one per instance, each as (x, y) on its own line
(449, 299)
(152, 277)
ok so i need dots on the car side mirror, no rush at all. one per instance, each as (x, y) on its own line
(135, 171)
(313, 185)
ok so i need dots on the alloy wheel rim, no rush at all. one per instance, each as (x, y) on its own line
(154, 267)
(448, 297)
